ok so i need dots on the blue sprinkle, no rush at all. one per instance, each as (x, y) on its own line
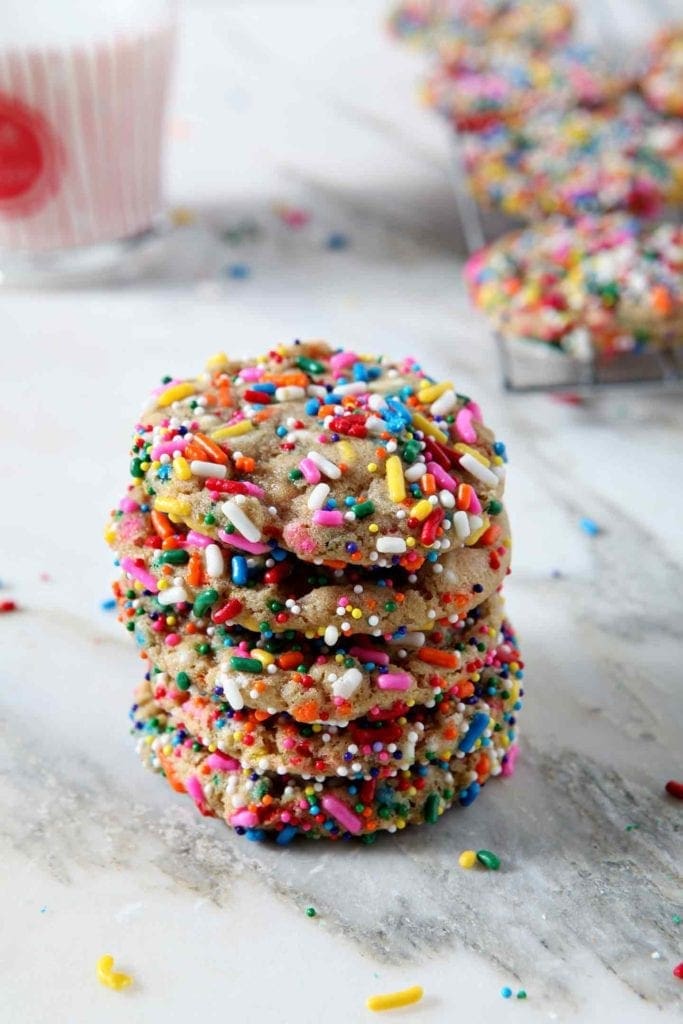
(359, 371)
(238, 271)
(255, 835)
(278, 554)
(477, 727)
(336, 241)
(312, 406)
(281, 431)
(268, 388)
(506, 992)
(239, 571)
(590, 527)
(108, 605)
(469, 795)
(286, 835)
(400, 409)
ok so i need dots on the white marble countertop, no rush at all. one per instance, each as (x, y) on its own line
(309, 104)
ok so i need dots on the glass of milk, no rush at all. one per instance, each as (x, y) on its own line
(83, 89)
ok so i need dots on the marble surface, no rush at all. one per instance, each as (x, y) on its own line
(308, 104)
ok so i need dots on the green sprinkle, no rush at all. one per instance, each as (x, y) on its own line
(676, 918)
(494, 508)
(182, 681)
(631, 828)
(203, 601)
(488, 859)
(363, 509)
(136, 470)
(295, 474)
(310, 911)
(411, 450)
(246, 664)
(521, 994)
(431, 808)
(204, 648)
(209, 519)
(310, 365)
(176, 556)
(390, 606)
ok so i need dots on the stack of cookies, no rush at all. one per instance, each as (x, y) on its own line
(311, 552)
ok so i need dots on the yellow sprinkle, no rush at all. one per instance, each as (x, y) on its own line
(177, 392)
(151, 465)
(410, 542)
(400, 823)
(108, 976)
(163, 584)
(181, 468)
(429, 428)
(356, 613)
(421, 509)
(168, 750)
(146, 465)
(234, 430)
(465, 449)
(174, 506)
(474, 537)
(348, 451)
(395, 482)
(171, 620)
(317, 727)
(181, 216)
(110, 535)
(212, 747)
(503, 740)
(372, 467)
(467, 859)
(263, 656)
(431, 392)
(219, 361)
(373, 528)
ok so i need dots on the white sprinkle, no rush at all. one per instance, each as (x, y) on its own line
(214, 469)
(443, 404)
(391, 545)
(410, 640)
(415, 472)
(214, 561)
(461, 524)
(375, 424)
(316, 391)
(174, 595)
(475, 468)
(476, 523)
(331, 636)
(241, 521)
(377, 403)
(447, 499)
(355, 387)
(289, 394)
(231, 690)
(318, 496)
(325, 466)
(347, 684)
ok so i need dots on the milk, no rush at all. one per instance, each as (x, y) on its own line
(82, 101)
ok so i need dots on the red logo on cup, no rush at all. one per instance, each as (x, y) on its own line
(31, 159)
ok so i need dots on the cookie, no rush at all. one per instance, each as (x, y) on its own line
(662, 83)
(189, 577)
(316, 682)
(502, 84)
(456, 24)
(286, 806)
(607, 282)
(333, 456)
(578, 162)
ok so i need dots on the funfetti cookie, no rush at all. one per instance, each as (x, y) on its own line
(462, 24)
(608, 282)
(577, 162)
(662, 84)
(502, 84)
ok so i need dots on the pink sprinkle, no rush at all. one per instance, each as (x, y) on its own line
(245, 818)
(475, 504)
(194, 788)
(138, 573)
(323, 517)
(251, 373)
(221, 763)
(368, 654)
(443, 479)
(510, 763)
(476, 411)
(254, 489)
(168, 448)
(158, 626)
(463, 425)
(128, 505)
(340, 360)
(173, 639)
(236, 540)
(338, 810)
(296, 536)
(394, 681)
(198, 540)
(310, 471)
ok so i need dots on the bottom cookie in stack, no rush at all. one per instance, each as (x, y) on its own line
(269, 774)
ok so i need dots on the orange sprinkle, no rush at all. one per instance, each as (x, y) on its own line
(195, 574)
(212, 451)
(290, 659)
(171, 777)
(661, 300)
(170, 543)
(434, 656)
(293, 378)
(464, 497)
(193, 451)
(245, 464)
(356, 556)
(428, 484)
(490, 536)
(162, 524)
(307, 711)
(465, 689)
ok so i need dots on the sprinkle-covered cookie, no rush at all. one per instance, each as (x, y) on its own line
(607, 282)
(314, 681)
(385, 741)
(501, 84)
(662, 84)
(535, 24)
(286, 806)
(577, 162)
(334, 456)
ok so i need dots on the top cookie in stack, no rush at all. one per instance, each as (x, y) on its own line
(317, 537)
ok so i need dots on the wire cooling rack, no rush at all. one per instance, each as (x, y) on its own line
(527, 366)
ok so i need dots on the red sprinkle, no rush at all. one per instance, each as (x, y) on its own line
(674, 788)
(228, 611)
(678, 971)
(8, 606)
